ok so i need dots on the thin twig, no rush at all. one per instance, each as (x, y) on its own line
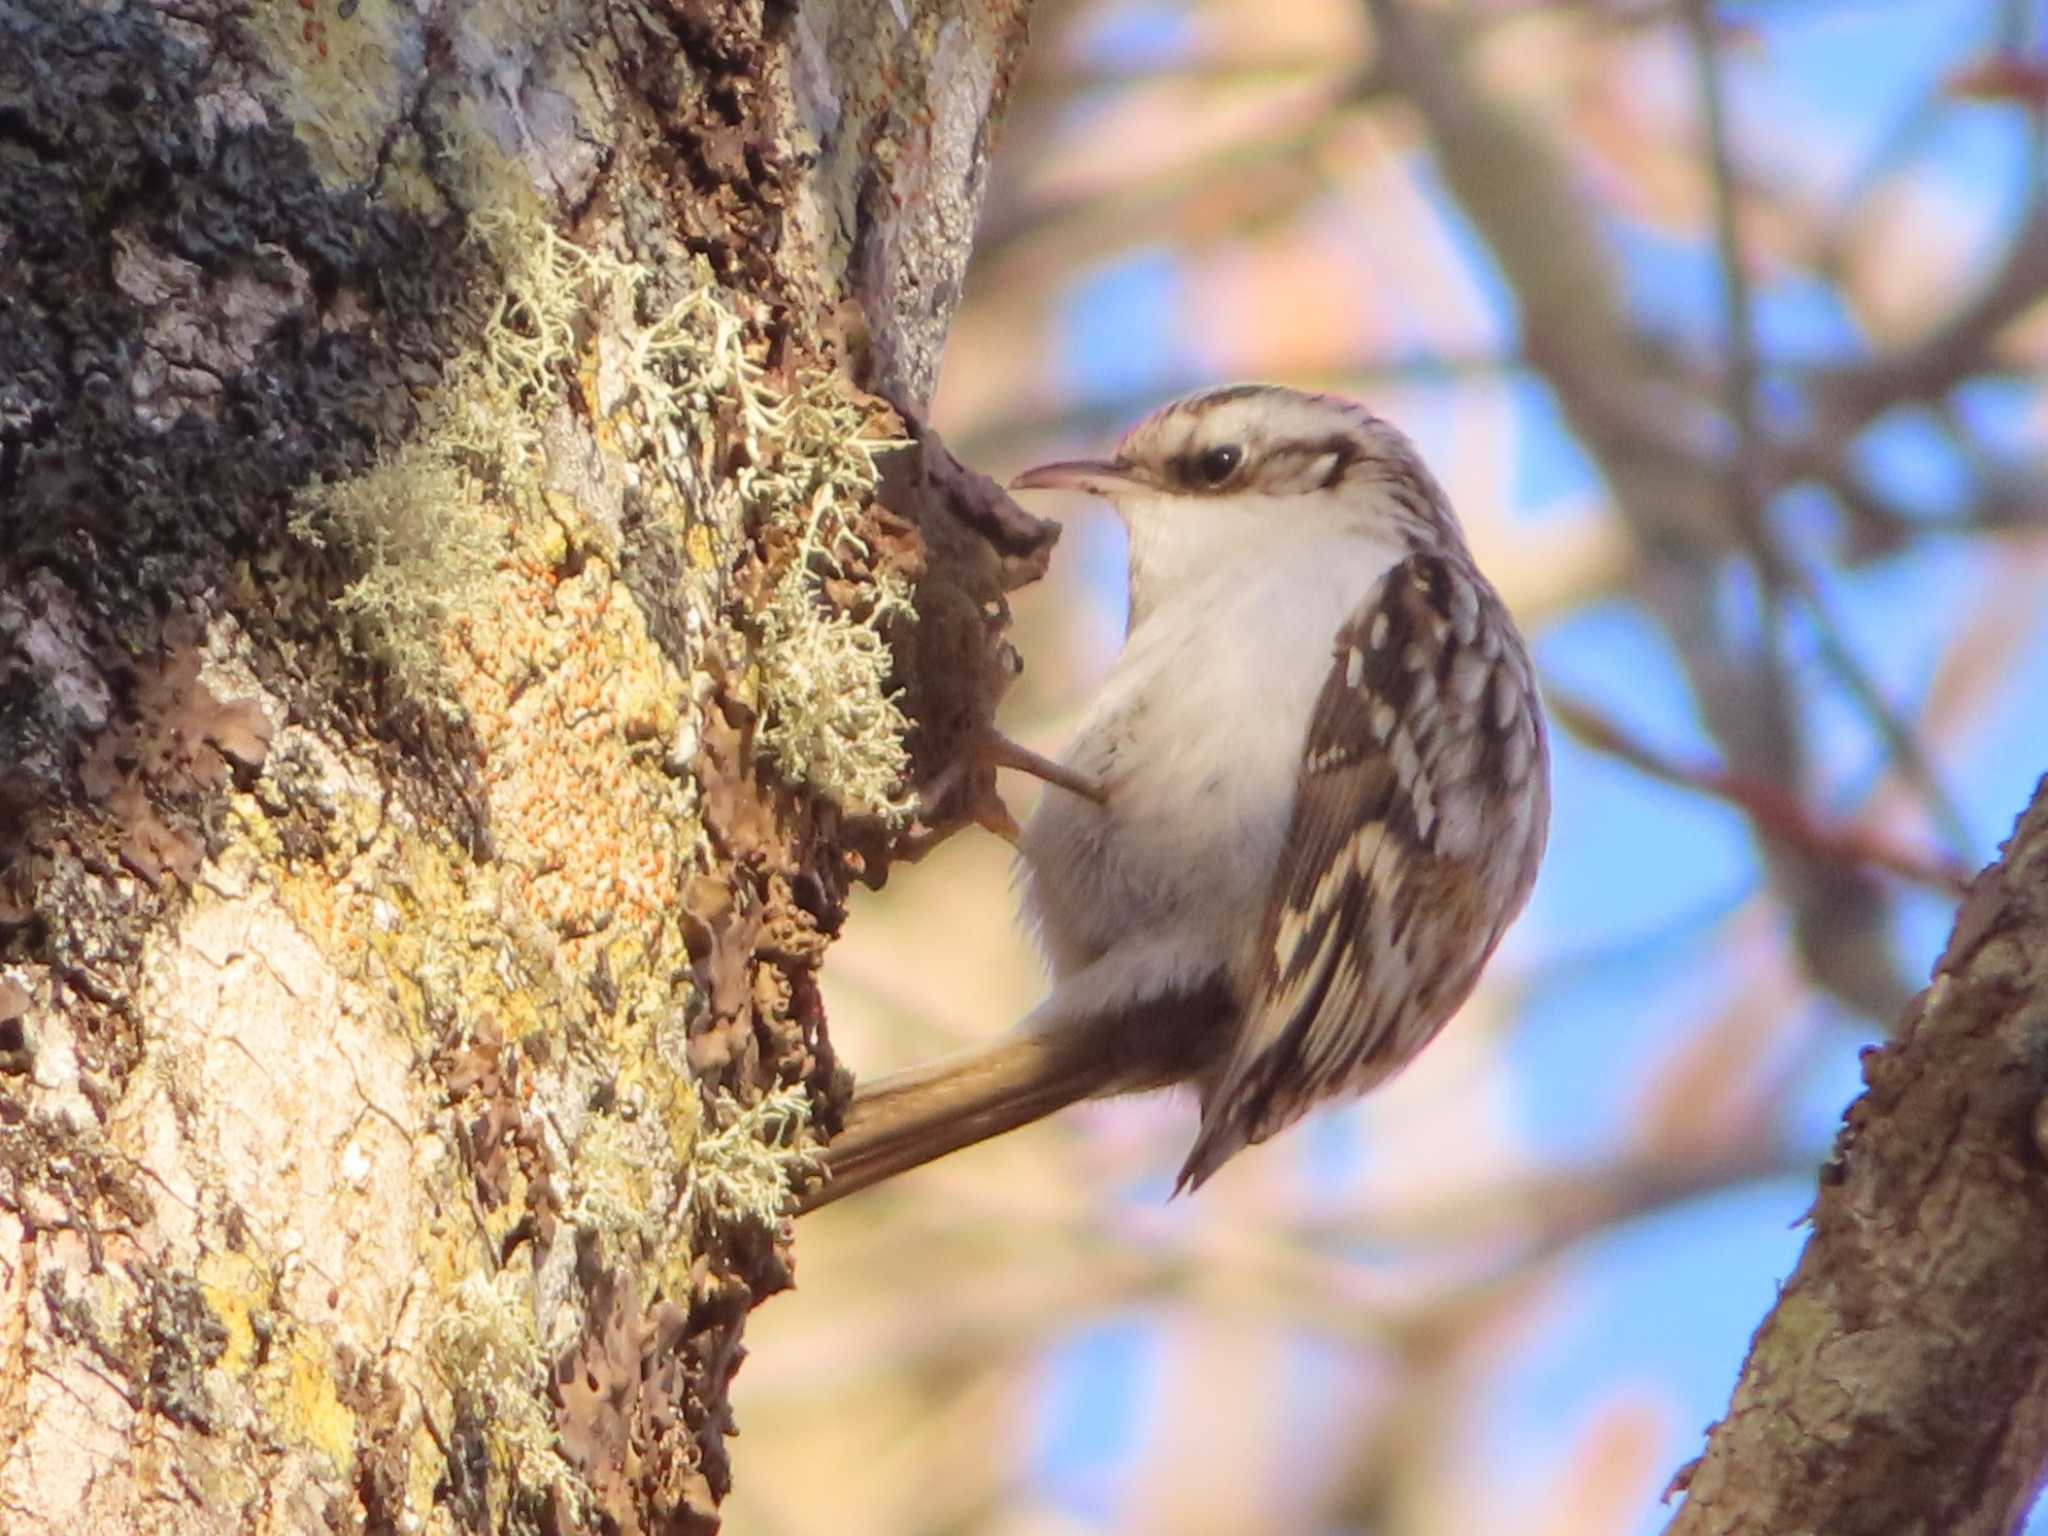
(1737, 318)
(1774, 811)
(1911, 758)
(1132, 211)
(1065, 81)
(1848, 399)
(1776, 575)
(1554, 1208)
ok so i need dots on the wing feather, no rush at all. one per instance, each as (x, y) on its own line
(1418, 823)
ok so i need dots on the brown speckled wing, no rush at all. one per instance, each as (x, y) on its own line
(1417, 828)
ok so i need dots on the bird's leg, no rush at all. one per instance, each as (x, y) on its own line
(999, 751)
(970, 779)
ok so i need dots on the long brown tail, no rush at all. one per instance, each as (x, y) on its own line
(909, 1118)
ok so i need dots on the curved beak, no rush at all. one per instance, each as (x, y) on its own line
(1098, 477)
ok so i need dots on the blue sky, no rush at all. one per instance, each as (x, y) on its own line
(1639, 874)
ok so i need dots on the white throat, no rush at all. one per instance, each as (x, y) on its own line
(1181, 546)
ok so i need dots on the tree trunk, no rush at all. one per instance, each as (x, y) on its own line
(473, 592)
(1900, 1385)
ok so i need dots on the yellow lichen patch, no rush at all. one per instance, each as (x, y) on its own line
(697, 547)
(233, 1287)
(310, 1410)
(344, 80)
(426, 1473)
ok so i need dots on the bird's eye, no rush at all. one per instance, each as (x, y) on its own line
(1215, 465)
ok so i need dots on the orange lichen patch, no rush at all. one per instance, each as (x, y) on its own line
(571, 703)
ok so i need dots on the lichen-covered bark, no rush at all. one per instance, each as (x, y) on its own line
(473, 592)
(1900, 1386)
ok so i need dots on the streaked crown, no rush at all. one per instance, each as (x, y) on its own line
(1263, 450)
(1269, 440)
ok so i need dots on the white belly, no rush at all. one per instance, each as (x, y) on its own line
(1198, 735)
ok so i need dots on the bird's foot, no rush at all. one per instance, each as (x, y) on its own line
(998, 751)
(964, 793)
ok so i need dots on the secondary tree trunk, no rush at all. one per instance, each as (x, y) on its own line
(472, 594)
(1900, 1386)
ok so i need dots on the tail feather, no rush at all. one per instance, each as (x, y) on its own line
(1219, 1141)
(910, 1118)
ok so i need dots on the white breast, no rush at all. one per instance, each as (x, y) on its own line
(1198, 734)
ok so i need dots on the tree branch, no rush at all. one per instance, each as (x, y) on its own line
(1775, 812)
(1852, 397)
(1901, 1382)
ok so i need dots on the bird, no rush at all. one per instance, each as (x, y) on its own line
(1307, 801)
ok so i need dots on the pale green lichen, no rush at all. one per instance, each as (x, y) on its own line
(425, 545)
(629, 1186)
(747, 1172)
(637, 1199)
(831, 719)
(430, 523)
(485, 1345)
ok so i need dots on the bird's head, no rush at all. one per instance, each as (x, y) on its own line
(1241, 456)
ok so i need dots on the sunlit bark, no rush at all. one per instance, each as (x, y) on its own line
(455, 650)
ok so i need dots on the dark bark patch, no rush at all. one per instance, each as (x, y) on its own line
(703, 79)
(623, 1394)
(502, 1147)
(148, 486)
(383, 1450)
(184, 1337)
(157, 768)
(966, 544)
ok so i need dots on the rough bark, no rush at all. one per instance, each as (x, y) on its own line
(462, 627)
(1900, 1385)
